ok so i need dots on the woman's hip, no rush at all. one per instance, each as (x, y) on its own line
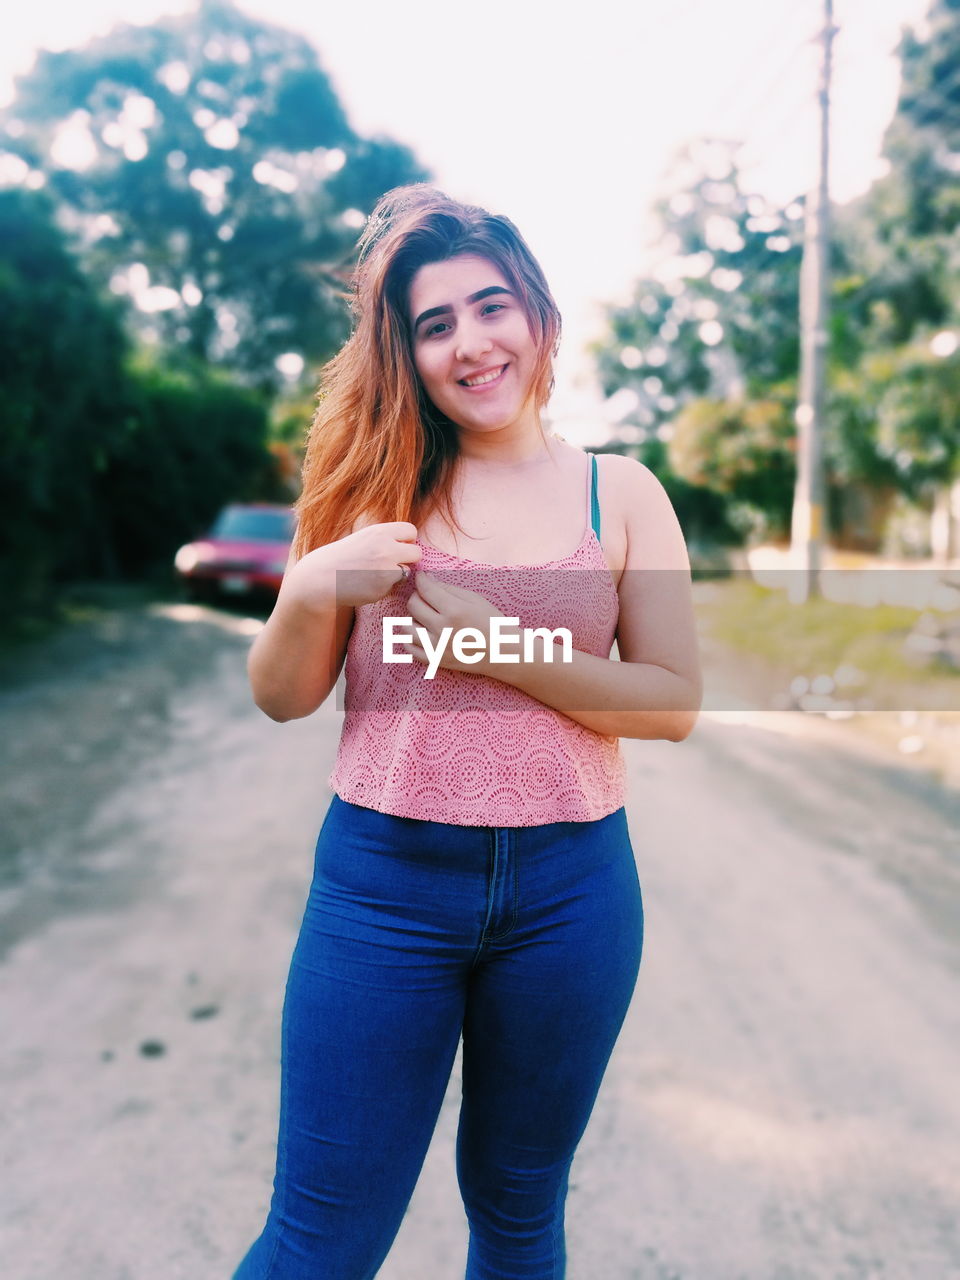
(447, 886)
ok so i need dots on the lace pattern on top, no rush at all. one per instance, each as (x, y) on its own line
(468, 749)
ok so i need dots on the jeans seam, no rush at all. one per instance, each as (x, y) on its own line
(508, 840)
(491, 892)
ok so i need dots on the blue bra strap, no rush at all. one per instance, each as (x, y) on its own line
(594, 500)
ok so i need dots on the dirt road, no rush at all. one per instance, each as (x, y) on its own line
(782, 1104)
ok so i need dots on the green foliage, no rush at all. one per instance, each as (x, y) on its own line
(902, 406)
(222, 186)
(222, 162)
(190, 443)
(718, 313)
(901, 236)
(708, 346)
(105, 464)
(713, 327)
(292, 416)
(703, 513)
(894, 417)
(744, 449)
(61, 361)
(772, 632)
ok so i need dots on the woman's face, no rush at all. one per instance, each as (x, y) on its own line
(472, 346)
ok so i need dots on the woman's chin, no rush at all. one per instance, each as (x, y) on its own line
(494, 418)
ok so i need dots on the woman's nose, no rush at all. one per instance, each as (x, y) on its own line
(472, 343)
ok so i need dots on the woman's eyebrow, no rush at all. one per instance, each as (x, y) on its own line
(447, 308)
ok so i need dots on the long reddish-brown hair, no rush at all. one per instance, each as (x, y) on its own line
(378, 447)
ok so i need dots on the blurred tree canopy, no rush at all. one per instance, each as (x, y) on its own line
(191, 442)
(718, 312)
(61, 362)
(106, 461)
(181, 209)
(898, 281)
(713, 328)
(705, 355)
(209, 171)
(743, 449)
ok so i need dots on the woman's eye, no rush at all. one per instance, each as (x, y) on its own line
(436, 329)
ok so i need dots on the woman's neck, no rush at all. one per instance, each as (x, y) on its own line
(515, 455)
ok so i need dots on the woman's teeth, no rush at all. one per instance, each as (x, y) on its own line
(487, 377)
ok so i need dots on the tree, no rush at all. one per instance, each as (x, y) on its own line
(898, 291)
(212, 173)
(714, 326)
(902, 405)
(744, 450)
(107, 462)
(719, 313)
(62, 352)
(191, 442)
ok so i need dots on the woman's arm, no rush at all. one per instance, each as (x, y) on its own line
(655, 690)
(623, 699)
(295, 660)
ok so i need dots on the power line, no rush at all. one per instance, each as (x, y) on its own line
(757, 142)
(753, 149)
(755, 145)
(774, 80)
(757, 53)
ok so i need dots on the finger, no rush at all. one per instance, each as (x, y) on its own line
(432, 590)
(407, 557)
(423, 612)
(402, 530)
(452, 589)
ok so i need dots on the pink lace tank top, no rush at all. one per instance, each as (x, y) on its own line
(468, 749)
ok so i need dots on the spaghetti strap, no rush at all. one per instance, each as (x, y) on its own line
(594, 498)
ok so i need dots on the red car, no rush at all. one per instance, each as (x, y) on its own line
(244, 553)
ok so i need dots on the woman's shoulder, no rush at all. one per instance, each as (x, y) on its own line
(624, 469)
(635, 496)
(627, 481)
(653, 533)
(615, 465)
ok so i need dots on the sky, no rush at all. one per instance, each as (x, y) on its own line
(566, 119)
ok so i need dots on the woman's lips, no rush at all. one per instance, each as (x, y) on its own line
(487, 386)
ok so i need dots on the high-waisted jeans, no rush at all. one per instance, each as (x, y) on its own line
(525, 940)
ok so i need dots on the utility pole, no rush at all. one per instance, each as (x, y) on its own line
(806, 532)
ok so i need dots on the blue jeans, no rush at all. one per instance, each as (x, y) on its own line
(525, 940)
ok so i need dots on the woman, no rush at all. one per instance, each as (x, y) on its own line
(474, 874)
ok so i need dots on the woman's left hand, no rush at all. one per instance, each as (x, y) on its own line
(436, 605)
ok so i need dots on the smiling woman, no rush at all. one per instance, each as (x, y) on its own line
(377, 419)
(479, 358)
(474, 875)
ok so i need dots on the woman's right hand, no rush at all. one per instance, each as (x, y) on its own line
(358, 569)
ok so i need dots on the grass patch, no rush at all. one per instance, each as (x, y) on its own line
(761, 627)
